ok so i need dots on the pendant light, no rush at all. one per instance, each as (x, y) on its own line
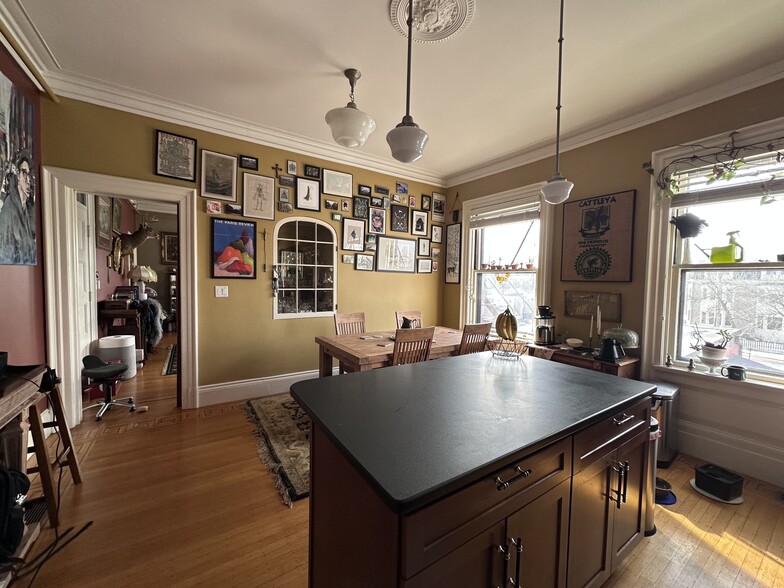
(407, 140)
(350, 126)
(557, 188)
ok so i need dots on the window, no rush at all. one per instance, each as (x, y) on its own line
(306, 272)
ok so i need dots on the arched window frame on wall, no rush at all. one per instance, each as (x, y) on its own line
(300, 273)
(496, 209)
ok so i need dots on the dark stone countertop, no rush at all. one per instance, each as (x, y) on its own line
(418, 432)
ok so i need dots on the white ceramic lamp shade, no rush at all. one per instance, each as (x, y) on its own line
(557, 189)
(407, 141)
(350, 126)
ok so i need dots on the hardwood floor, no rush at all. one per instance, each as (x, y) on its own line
(180, 498)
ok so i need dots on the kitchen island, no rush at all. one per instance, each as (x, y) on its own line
(460, 472)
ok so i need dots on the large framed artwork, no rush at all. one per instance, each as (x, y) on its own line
(218, 176)
(258, 194)
(233, 248)
(103, 222)
(452, 260)
(598, 238)
(395, 255)
(175, 156)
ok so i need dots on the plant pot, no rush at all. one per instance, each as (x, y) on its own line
(713, 352)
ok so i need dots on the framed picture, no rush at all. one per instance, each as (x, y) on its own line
(170, 248)
(424, 266)
(337, 183)
(175, 156)
(423, 247)
(419, 223)
(308, 194)
(376, 201)
(425, 202)
(345, 205)
(218, 176)
(291, 167)
(213, 206)
(452, 258)
(370, 243)
(361, 207)
(598, 237)
(258, 196)
(435, 252)
(286, 180)
(386, 203)
(116, 216)
(363, 262)
(103, 222)
(439, 208)
(396, 198)
(412, 201)
(336, 216)
(249, 162)
(331, 204)
(284, 194)
(353, 234)
(377, 221)
(348, 258)
(435, 266)
(436, 233)
(396, 255)
(383, 190)
(232, 208)
(311, 171)
(363, 190)
(401, 188)
(398, 219)
(583, 305)
(233, 249)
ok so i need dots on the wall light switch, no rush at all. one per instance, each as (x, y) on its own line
(221, 291)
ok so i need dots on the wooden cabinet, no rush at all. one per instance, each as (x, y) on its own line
(624, 367)
(607, 508)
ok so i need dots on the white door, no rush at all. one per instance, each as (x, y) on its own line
(86, 314)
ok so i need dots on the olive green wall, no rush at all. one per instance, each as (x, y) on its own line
(238, 339)
(615, 165)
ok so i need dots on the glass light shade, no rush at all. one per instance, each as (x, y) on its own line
(350, 126)
(407, 141)
(557, 189)
(143, 273)
(626, 337)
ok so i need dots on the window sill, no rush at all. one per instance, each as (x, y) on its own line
(703, 381)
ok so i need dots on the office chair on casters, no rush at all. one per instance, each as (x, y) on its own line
(106, 375)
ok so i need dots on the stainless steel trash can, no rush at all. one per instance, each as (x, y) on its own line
(665, 403)
(650, 478)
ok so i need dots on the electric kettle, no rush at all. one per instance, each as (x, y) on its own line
(612, 350)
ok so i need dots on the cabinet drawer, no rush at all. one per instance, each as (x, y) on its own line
(433, 532)
(588, 444)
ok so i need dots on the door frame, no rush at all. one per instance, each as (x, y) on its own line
(59, 188)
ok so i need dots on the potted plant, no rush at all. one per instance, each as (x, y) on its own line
(710, 349)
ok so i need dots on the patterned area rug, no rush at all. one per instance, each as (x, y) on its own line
(170, 365)
(283, 438)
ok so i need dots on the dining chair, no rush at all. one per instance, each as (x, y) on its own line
(474, 338)
(412, 345)
(415, 316)
(351, 323)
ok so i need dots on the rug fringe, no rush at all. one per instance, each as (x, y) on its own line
(266, 457)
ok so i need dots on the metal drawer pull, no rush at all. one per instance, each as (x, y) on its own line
(625, 418)
(625, 474)
(521, 474)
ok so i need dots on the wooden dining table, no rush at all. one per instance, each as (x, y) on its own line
(362, 352)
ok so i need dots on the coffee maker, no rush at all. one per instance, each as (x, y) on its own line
(544, 331)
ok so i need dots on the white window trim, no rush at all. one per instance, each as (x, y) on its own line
(500, 200)
(657, 295)
(305, 315)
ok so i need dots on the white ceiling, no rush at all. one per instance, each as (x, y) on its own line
(269, 71)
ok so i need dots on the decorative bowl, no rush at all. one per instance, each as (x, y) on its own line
(574, 342)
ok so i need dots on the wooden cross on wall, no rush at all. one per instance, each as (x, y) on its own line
(277, 169)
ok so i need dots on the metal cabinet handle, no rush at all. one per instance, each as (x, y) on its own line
(507, 555)
(519, 545)
(521, 474)
(623, 419)
(625, 474)
(618, 491)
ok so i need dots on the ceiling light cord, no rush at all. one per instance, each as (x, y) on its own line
(558, 106)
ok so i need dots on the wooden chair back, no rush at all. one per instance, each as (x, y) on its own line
(412, 345)
(415, 316)
(349, 323)
(474, 338)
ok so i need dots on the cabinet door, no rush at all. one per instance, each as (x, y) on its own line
(628, 525)
(543, 529)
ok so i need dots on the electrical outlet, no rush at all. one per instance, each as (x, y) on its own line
(221, 291)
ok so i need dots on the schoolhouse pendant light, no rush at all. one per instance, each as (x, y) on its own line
(350, 126)
(407, 141)
(557, 188)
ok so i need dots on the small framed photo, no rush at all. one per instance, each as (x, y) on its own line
(435, 252)
(308, 194)
(284, 194)
(398, 220)
(116, 216)
(383, 190)
(345, 205)
(370, 243)
(336, 216)
(396, 198)
(424, 266)
(285, 207)
(353, 234)
(337, 183)
(170, 250)
(364, 262)
(378, 221)
(230, 208)
(175, 156)
(386, 203)
(258, 194)
(396, 255)
(311, 171)
(218, 176)
(348, 258)
(103, 222)
(248, 162)
(361, 207)
(423, 247)
(435, 266)
(291, 167)
(233, 249)
(419, 223)
(436, 233)
(439, 208)
(425, 202)
(331, 204)
(213, 206)
(286, 180)
(401, 188)
(363, 190)
(412, 201)
(376, 201)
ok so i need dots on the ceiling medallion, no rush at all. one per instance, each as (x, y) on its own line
(434, 20)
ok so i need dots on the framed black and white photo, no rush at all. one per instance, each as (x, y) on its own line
(425, 202)
(376, 201)
(311, 171)
(258, 196)
(419, 223)
(439, 207)
(284, 194)
(377, 221)
(436, 233)
(175, 156)
(361, 207)
(370, 243)
(345, 205)
(383, 190)
(412, 201)
(452, 258)
(337, 183)
(170, 250)
(336, 216)
(424, 266)
(401, 188)
(353, 234)
(218, 176)
(348, 258)
(248, 162)
(331, 204)
(363, 190)
(286, 180)
(396, 255)
(423, 247)
(291, 167)
(363, 262)
(308, 194)
(435, 252)
(398, 219)
(386, 203)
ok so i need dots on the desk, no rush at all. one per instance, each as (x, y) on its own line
(131, 323)
(362, 355)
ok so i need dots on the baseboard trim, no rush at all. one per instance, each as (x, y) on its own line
(249, 389)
